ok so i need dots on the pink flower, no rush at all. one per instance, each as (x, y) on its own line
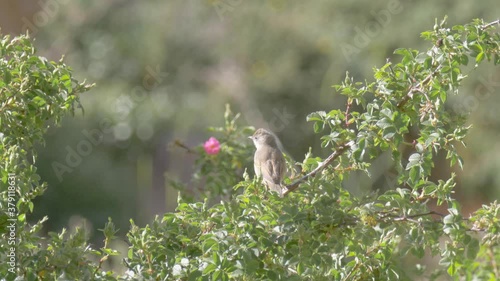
(212, 146)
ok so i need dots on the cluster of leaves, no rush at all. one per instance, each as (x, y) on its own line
(408, 99)
(35, 93)
(320, 231)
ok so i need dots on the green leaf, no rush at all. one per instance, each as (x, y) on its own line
(384, 123)
(473, 249)
(217, 275)
(317, 127)
(209, 269)
(464, 59)
(414, 160)
(300, 268)
(479, 57)
(414, 174)
(418, 251)
(389, 132)
(452, 269)
(316, 116)
(208, 244)
(443, 95)
(39, 101)
(449, 219)
(215, 258)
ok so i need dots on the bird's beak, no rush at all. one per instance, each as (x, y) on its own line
(250, 137)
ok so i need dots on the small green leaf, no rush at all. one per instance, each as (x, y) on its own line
(39, 101)
(442, 95)
(216, 275)
(209, 269)
(384, 123)
(464, 59)
(316, 116)
(414, 160)
(215, 258)
(479, 57)
(414, 174)
(317, 127)
(208, 244)
(300, 268)
(418, 251)
(452, 269)
(473, 249)
(448, 219)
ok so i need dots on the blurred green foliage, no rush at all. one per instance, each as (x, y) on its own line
(35, 94)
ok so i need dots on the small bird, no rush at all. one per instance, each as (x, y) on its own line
(268, 160)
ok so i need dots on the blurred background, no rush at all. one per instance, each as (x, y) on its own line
(165, 69)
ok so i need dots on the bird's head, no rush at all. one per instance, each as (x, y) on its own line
(263, 137)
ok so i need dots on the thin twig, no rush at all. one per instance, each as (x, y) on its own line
(180, 144)
(293, 186)
(349, 102)
(490, 24)
(437, 213)
(425, 214)
(352, 271)
(418, 87)
(419, 215)
(404, 217)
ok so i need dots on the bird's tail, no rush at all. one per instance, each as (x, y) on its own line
(276, 188)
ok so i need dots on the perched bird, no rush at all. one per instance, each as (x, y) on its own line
(268, 160)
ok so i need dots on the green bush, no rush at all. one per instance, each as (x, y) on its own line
(34, 94)
(318, 231)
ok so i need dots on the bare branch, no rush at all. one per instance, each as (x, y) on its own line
(182, 145)
(404, 217)
(349, 102)
(342, 148)
(420, 215)
(490, 24)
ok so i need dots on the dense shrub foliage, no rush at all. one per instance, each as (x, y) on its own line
(34, 94)
(318, 231)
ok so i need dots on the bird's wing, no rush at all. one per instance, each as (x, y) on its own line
(273, 171)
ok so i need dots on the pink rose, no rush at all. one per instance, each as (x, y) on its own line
(212, 146)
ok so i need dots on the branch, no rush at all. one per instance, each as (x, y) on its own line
(348, 276)
(405, 217)
(182, 145)
(490, 24)
(417, 87)
(349, 102)
(342, 148)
